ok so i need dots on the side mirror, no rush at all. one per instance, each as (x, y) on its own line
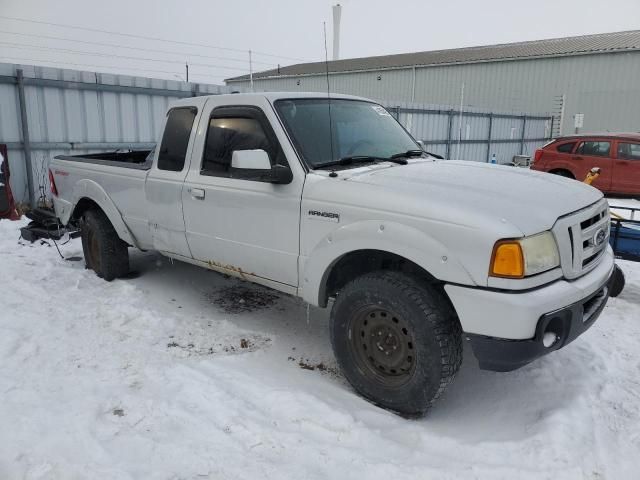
(255, 165)
(281, 174)
(250, 160)
(422, 145)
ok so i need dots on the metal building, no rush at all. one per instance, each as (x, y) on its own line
(593, 75)
(46, 112)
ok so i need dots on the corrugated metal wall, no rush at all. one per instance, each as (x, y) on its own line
(476, 134)
(82, 112)
(604, 87)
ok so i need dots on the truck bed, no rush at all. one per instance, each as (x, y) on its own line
(136, 159)
(117, 177)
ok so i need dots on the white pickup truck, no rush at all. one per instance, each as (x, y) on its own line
(330, 199)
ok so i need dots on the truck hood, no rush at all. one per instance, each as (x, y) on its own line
(531, 201)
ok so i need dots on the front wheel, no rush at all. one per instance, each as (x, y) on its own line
(397, 340)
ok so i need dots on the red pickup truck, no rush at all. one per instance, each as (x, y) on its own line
(617, 155)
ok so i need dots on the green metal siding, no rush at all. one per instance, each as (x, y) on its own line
(605, 87)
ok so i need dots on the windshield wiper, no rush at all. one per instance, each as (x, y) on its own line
(350, 160)
(408, 154)
(398, 158)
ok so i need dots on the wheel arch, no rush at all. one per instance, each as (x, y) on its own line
(561, 171)
(89, 195)
(359, 262)
(354, 250)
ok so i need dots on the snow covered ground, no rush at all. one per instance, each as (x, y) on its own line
(181, 373)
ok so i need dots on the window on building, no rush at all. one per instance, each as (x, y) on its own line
(228, 134)
(566, 147)
(173, 148)
(629, 151)
(595, 148)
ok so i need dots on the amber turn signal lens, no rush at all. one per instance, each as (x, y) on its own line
(507, 260)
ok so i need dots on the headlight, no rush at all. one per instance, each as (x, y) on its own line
(524, 257)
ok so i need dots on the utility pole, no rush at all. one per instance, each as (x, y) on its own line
(26, 142)
(250, 71)
(186, 66)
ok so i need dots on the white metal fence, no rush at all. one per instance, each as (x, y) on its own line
(46, 112)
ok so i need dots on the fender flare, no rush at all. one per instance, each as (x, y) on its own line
(391, 237)
(89, 189)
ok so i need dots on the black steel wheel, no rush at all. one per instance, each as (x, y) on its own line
(397, 340)
(383, 345)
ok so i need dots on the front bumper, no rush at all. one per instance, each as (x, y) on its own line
(563, 326)
(506, 329)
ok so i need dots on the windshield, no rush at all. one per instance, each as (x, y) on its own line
(358, 128)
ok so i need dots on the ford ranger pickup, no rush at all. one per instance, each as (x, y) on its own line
(330, 199)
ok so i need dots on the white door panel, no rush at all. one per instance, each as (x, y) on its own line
(164, 197)
(249, 227)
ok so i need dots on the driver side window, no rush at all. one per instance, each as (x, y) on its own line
(226, 135)
(234, 129)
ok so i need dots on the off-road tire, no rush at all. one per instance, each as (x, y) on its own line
(104, 252)
(423, 315)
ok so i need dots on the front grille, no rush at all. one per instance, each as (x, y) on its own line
(582, 238)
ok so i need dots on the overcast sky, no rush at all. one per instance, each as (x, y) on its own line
(287, 30)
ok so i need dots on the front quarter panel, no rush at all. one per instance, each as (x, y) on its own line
(384, 235)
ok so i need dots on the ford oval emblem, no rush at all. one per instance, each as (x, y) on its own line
(599, 237)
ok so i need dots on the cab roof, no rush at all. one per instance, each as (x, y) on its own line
(271, 96)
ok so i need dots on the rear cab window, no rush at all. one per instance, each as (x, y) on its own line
(175, 140)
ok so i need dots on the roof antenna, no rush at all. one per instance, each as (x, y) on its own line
(326, 65)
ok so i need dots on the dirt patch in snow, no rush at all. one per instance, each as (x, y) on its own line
(322, 367)
(232, 346)
(242, 299)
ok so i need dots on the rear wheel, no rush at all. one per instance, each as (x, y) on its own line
(397, 340)
(104, 252)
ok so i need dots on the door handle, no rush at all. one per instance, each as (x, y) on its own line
(197, 193)
(577, 158)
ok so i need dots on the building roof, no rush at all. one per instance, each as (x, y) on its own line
(555, 47)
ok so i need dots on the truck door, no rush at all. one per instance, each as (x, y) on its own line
(165, 181)
(594, 153)
(626, 168)
(244, 226)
